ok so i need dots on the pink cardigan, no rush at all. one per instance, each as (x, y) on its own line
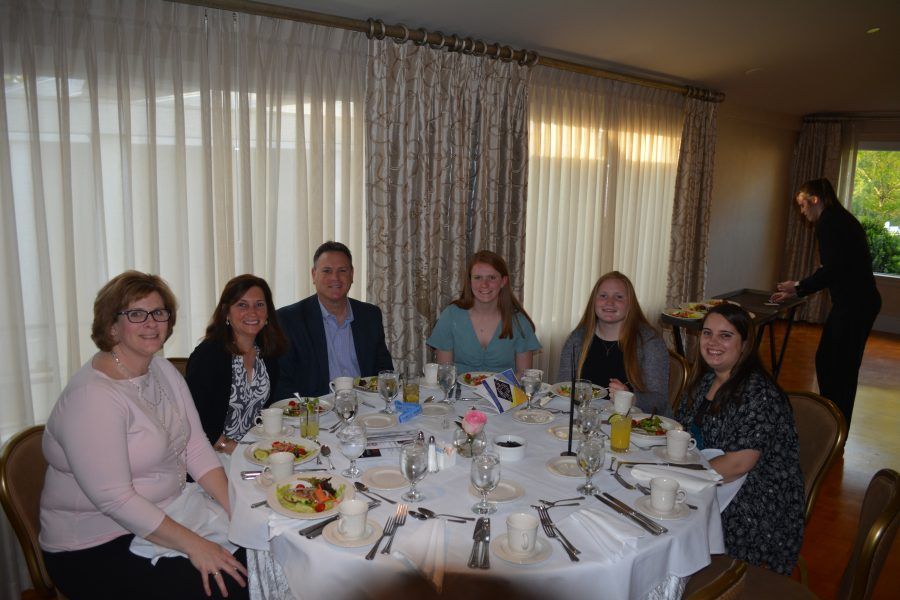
(110, 470)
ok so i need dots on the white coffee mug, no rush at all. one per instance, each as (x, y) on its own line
(521, 533)
(271, 420)
(341, 383)
(352, 524)
(678, 443)
(622, 401)
(279, 465)
(431, 370)
(664, 494)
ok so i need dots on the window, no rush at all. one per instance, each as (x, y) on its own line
(876, 202)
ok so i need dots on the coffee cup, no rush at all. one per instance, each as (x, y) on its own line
(664, 494)
(271, 420)
(352, 522)
(679, 443)
(341, 383)
(622, 401)
(279, 465)
(521, 533)
(431, 371)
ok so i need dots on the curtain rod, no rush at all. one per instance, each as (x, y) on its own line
(852, 116)
(437, 39)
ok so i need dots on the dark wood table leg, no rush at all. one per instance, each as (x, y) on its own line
(679, 344)
(776, 368)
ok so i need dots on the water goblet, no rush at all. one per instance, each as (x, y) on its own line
(531, 384)
(353, 442)
(582, 391)
(590, 458)
(414, 466)
(388, 384)
(346, 406)
(485, 476)
(589, 421)
(447, 378)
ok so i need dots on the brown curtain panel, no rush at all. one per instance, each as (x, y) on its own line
(447, 158)
(818, 154)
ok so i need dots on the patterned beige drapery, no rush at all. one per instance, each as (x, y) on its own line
(818, 154)
(693, 194)
(447, 153)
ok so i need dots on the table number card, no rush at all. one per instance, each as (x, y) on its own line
(503, 390)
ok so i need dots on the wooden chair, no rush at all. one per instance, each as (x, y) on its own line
(180, 364)
(678, 376)
(22, 468)
(723, 579)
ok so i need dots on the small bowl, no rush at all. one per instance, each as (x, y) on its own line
(513, 447)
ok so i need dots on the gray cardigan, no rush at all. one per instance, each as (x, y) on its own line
(653, 359)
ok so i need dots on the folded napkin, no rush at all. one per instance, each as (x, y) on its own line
(278, 524)
(406, 410)
(196, 511)
(611, 534)
(425, 551)
(691, 481)
(726, 492)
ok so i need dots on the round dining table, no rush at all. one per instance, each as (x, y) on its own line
(285, 564)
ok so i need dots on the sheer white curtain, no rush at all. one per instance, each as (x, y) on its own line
(601, 179)
(193, 143)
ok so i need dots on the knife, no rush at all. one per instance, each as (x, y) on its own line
(637, 517)
(476, 537)
(622, 481)
(485, 562)
(692, 466)
(255, 474)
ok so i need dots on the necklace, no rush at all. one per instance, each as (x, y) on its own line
(132, 377)
(608, 346)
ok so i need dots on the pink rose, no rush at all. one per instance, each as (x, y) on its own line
(473, 422)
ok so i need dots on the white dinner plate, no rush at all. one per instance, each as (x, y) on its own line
(258, 431)
(563, 389)
(561, 432)
(326, 403)
(469, 379)
(500, 547)
(312, 449)
(506, 491)
(533, 416)
(435, 410)
(377, 420)
(567, 466)
(384, 478)
(644, 505)
(367, 385)
(665, 422)
(692, 456)
(683, 313)
(334, 536)
(336, 482)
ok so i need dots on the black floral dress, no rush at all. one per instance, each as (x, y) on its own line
(763, 524)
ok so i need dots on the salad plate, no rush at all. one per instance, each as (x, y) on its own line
(561, 432)
(384, 478)
(692, 456)
(644, 505)
(334, 535)
(473, 378)
(682, 313)
(506, 491)
(567, 466)
(302, 449)
(292, 408)
(564, 388)
(645, 426)
(367, 385)
(377, 420)
(500, 547)
(435, 410)
(533, 416)
(258, 431)
(309, 496)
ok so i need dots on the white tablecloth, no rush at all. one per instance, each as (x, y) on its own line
(315, 568)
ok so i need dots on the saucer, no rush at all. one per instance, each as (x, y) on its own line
(384, 478)
(377, 420)
(561, 432)
(264, 481)
(679, 512)
(567, 466)
(692, 456)
(533, 416)
(331, 533)
(257, 430)
(435, 410)
(506, 491)
(541, 552)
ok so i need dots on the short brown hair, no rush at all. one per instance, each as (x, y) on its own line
(121, 291)
(331, 246)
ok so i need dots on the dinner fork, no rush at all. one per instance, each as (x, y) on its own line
(388, 527)
(402, 510)
(550, 532)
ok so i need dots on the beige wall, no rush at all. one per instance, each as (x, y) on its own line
(749, 199)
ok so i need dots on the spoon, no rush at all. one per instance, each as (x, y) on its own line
(424, 516)
(428, 399)
(365, 491)
(612, 463)
(326, 452)
(433, 515)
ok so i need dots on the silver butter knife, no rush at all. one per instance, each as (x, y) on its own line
(637, 517)
(692, 466)
(476, 540)
(485, 562)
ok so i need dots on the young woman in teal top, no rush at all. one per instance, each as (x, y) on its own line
(486, 328)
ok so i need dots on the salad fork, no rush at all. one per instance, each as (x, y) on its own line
(551, 503)
(550, 532)
(402, 509)
(388, 527)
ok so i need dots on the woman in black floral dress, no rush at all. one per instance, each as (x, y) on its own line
(733, 404)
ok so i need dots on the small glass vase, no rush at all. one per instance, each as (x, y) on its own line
(469, 446)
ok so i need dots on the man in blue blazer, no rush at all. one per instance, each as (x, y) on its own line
(330, 334)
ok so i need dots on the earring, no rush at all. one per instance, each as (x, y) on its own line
(228, 322)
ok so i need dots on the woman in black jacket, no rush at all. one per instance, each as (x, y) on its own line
(233, 371)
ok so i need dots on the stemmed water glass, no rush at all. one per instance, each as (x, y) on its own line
(353, 443)
(414, 466)
(531, 383)
(346, 406)
(590, 457)
(446, 378)
(388, 384)
(485, 476)
(590, 421)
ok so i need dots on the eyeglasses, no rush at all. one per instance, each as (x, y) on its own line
(139, 315)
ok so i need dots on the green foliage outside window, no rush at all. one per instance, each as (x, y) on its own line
(876, 202)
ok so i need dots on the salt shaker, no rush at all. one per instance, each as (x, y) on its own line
(432, 456)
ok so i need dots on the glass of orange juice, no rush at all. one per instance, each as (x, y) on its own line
(620, 432)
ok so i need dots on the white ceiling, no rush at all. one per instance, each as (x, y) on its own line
(788, 56)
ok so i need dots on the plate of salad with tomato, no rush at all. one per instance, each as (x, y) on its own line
(309, 496)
